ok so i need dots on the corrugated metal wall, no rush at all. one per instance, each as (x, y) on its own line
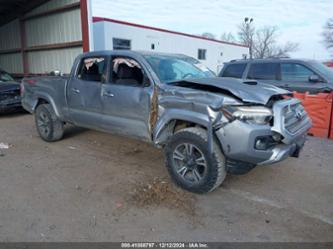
(53, 4)
(53, 38)
(11, 62)
(62, 27)
(10, 40)
(10, 35)
(49, 60)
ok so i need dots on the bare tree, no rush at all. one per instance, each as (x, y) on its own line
(228, 37)
(263, 42)
(328, 33)
(283, 51)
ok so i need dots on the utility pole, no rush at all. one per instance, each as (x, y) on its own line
(249, 34)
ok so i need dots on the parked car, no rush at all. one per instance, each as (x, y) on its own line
(290, 74)
(208, 126)
(10, 99)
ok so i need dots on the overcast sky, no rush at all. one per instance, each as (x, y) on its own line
(298, 20)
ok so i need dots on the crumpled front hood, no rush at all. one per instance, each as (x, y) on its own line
(247, 91)
(12, 86)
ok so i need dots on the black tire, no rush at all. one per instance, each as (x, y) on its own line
(196, 177)
(49, 127)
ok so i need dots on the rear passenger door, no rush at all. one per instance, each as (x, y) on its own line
(84, 92)
(265, 72)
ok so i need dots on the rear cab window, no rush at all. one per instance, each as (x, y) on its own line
(234, 70)
(92, 69)
(264, 71)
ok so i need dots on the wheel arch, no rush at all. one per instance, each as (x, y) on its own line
(45, 99)
(172, 121)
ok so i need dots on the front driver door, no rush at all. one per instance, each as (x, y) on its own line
(84, 92)
(296, 76)
(127, 99)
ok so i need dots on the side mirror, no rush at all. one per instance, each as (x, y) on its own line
(56, 73)
(314, 78)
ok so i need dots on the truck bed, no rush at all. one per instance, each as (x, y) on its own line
(51, 88)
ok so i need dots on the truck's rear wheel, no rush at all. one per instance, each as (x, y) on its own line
(49, 127)
(191, 165)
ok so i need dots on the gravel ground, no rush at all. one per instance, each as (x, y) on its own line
(92, 186)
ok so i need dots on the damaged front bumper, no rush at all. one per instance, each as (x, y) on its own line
(246, 145)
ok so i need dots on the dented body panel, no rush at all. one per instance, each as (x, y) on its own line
(248, 91)
(152, 111)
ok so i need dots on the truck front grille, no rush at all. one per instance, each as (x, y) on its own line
(295, 117)
(290, 119)
(9, 95)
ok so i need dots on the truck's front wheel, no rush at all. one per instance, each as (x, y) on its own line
(191, 165)
(49, 127)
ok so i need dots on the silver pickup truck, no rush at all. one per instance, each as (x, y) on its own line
(207, 126)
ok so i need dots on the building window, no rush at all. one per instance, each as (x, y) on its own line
(121, 44)
(152, 46)
(202, 54)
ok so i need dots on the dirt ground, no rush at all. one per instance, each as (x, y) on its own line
(93, 186)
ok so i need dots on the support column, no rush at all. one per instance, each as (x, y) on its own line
(23, 47)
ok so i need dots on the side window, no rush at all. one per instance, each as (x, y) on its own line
(295, 72)
(234, 70)
(263, 71)
(122, 44)
(92, 69)
(126, 71)
(202, 54)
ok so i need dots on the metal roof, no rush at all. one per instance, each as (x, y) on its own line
(11, 9)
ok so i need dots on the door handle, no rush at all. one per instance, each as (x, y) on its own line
(75, 90)
(108, 94)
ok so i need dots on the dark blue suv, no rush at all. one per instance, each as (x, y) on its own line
(291, 74)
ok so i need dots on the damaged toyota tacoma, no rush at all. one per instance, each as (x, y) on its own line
(207, 126)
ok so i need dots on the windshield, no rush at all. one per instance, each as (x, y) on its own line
(5, 77)
(322, 68)
(173, 68)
